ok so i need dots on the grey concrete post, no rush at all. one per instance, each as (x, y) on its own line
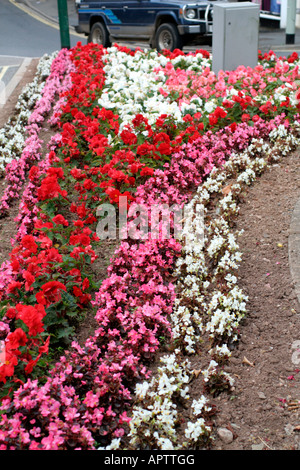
(235, 35)
(290, 22)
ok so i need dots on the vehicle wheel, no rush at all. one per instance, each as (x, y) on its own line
(167, 37)
(99, 35)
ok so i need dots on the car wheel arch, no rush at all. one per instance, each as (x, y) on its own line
(167, 37)
(161, 19)
(164, 18)
(97, 19)
(103, 33)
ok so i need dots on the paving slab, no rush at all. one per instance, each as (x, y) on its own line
(12, 70)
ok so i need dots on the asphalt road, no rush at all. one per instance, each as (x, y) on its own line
(23, 35)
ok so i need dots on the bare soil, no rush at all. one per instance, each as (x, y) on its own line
(263, 411)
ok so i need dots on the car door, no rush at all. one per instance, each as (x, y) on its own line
(110, 11)
(139, 17)
(113, 11)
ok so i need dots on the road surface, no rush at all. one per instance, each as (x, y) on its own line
(23, 35)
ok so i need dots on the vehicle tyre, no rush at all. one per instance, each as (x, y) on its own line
(99, 35)
(167, 37)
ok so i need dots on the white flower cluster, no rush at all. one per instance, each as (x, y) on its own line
(220, 353)
(279, 131)
(155, 415)
(201, 307)
(216, 378)
(132, 84)
(226, 312)
(13, 134)
(198, 431)
(195, 277)
(186, 328)
(195, 63)
(284, 92)
(210, 105)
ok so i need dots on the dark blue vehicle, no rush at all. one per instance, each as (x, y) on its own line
(163, 24)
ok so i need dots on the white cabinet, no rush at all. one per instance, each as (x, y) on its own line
(235, 35)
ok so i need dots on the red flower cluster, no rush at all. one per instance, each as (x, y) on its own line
(218, 113)
(50, 187)
(50, 293)
(28, 337)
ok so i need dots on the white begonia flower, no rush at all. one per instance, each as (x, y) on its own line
(210, 106)
(114, 445)
(142, 389)
(194, 431)
(200, 405)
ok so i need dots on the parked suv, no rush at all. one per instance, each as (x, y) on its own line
(163, 24)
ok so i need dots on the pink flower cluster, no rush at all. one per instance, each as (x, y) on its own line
(249, 81)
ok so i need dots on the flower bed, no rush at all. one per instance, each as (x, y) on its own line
(159, 129)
